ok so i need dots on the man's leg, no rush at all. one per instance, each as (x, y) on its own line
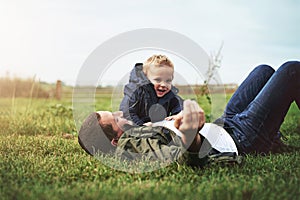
(248, 90)
(262, 119)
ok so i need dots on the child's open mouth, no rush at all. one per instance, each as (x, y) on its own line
(161, 92)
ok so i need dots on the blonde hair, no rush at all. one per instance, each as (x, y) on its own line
(157, 60)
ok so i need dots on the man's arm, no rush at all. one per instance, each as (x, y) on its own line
(193, 118)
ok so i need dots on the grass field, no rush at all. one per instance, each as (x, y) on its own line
(40, 159)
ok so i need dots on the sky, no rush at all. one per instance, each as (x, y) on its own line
(51, 39)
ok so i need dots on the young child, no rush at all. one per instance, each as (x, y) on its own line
(150, 96)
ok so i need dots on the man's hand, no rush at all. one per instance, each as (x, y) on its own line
(193, 118)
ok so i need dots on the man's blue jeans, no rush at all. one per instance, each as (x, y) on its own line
(257, 109)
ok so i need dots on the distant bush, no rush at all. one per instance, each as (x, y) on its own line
(17, 87)
(20, 87)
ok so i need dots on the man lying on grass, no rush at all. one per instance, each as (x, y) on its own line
(252, 119)
(177, 140)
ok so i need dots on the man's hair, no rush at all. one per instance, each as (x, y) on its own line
(107, 129)
(157, 60)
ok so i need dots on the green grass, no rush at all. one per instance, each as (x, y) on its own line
(38, 162)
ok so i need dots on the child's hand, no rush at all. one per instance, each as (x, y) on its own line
(148, 124)
(174, 117)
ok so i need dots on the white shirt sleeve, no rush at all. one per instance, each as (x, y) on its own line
(216, 135)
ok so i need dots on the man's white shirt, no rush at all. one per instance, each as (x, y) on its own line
(217, 136)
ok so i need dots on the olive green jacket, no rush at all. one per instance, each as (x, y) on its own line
(155, 143)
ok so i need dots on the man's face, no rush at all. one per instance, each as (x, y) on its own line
(161, 77)
(114, 119)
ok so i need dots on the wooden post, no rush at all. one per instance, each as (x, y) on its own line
(58, 90)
